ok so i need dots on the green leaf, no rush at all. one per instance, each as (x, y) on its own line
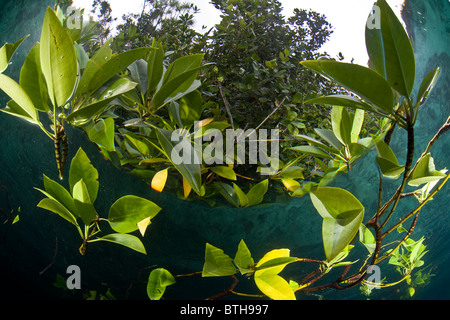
(268, 280)
(225, 172)
(22, 105)
(81, 168)
(357, 123)
(366, 238)
(425, 172)
(158, 280)
(58, 59)
(342, 216)
(7, 52)
(391, 52)
(181, 66)
(190, 171)
(256, 194)
(60, 194)
(427, 85)
(217, 263)
(176, 88)
(387, 161)
(93, 66)
(276, 262)
(32, 80)
(101, 105)
(341, 124)
(85, 208)
(313, 151)
(347, 101)
(102, 133)
(329, 137)
(56, 207)
(126, 240)
(98, 75)
(128, 211)
(274, 286)
(138, 71)
(242, 197)
(229, 193)
(155, 68)
(243, 258)
(363, 81)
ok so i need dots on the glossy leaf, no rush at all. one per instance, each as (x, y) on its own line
(155, 68)
(390, 50)
(102, 133)
(143, 225)
(89, 111)
(158, 281)
(56, 207)
(32, 80)
(347, 101)
(268, 280)
(313, 151)
(159, 180)
(357, 124)
(256, 194)
(243, 258)
(217, 263)
(363, 81)
(7, 51)
(81, 168)
(425, 172)
(186, 188)
(225, 172)
(85, 208)
(427, 85)
(59, 193)
(99, 75)
(366, 238)
(22, 105)
(342, 216)
(190, 171)
(93, 66)
(341, 124)
(126, 240)
(242, 197)
(125, 214)
(274, 286)
(58, 59)
(229, 193)
(387, 161)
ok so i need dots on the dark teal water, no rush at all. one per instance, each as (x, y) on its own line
(176, 239)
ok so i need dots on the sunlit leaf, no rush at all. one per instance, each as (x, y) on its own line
(217, 263)
(342, 216)
(126, 240)
(58, 59)
(158, 281)
(128, 211)
(159, 180)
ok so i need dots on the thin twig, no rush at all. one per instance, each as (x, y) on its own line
(53, 260)
(225, 102)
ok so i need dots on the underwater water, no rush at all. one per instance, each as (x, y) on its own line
(38, 247)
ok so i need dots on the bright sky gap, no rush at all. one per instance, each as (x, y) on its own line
(348, 18)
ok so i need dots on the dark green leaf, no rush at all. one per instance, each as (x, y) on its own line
(363, 81)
